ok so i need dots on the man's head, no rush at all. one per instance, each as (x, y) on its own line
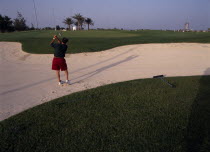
(65, 40)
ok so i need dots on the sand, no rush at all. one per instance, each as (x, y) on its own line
(26, 80)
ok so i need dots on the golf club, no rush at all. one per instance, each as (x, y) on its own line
(60, 34)
(162, 78)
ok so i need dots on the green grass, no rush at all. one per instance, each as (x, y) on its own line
(92, 41)
(141, 115)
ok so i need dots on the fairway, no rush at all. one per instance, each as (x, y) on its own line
(98, 40)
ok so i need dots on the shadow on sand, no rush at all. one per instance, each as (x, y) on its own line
(95, 72)
(198, 129)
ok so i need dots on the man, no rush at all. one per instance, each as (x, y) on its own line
(59, 62)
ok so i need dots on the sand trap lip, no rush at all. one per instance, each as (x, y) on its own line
(27, 79)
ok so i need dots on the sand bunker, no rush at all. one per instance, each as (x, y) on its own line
(26, 80)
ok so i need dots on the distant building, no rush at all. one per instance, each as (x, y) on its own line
(187, 26)
(74, 28)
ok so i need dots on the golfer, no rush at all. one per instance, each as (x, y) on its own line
(59, 62)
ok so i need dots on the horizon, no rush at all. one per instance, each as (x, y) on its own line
(120, 14)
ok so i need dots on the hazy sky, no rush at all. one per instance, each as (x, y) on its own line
(127, 14)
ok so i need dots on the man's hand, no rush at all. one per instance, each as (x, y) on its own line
(55, 37)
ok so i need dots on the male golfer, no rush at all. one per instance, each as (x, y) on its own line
(59, 62)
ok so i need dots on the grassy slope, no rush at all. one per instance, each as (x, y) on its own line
(92, 41)
(140, 115)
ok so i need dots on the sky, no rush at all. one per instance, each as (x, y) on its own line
(126, 14)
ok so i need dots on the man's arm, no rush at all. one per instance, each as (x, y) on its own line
(53, 40)
(59, 41)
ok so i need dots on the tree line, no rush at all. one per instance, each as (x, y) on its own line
(8, 25)
(79, 21)
(19, 23)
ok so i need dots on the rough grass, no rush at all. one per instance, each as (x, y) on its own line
(141, 115)
(92, 41)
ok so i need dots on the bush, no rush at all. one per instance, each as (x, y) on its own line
(20, 23)
(6, 25)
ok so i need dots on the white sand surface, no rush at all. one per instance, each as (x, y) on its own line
(26, 80)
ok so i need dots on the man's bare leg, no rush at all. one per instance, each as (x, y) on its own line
(58, 75)
(67, 74)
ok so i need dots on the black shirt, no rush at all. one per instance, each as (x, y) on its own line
(60, 49)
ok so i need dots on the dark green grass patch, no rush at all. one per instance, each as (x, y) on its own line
(92, 41)
(141, 115)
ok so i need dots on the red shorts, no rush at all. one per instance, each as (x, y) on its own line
(59, 64)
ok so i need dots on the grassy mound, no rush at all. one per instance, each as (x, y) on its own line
(141, 115)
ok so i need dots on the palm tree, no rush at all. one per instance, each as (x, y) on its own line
(68, 21)
(89, 22)
(80, 20)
